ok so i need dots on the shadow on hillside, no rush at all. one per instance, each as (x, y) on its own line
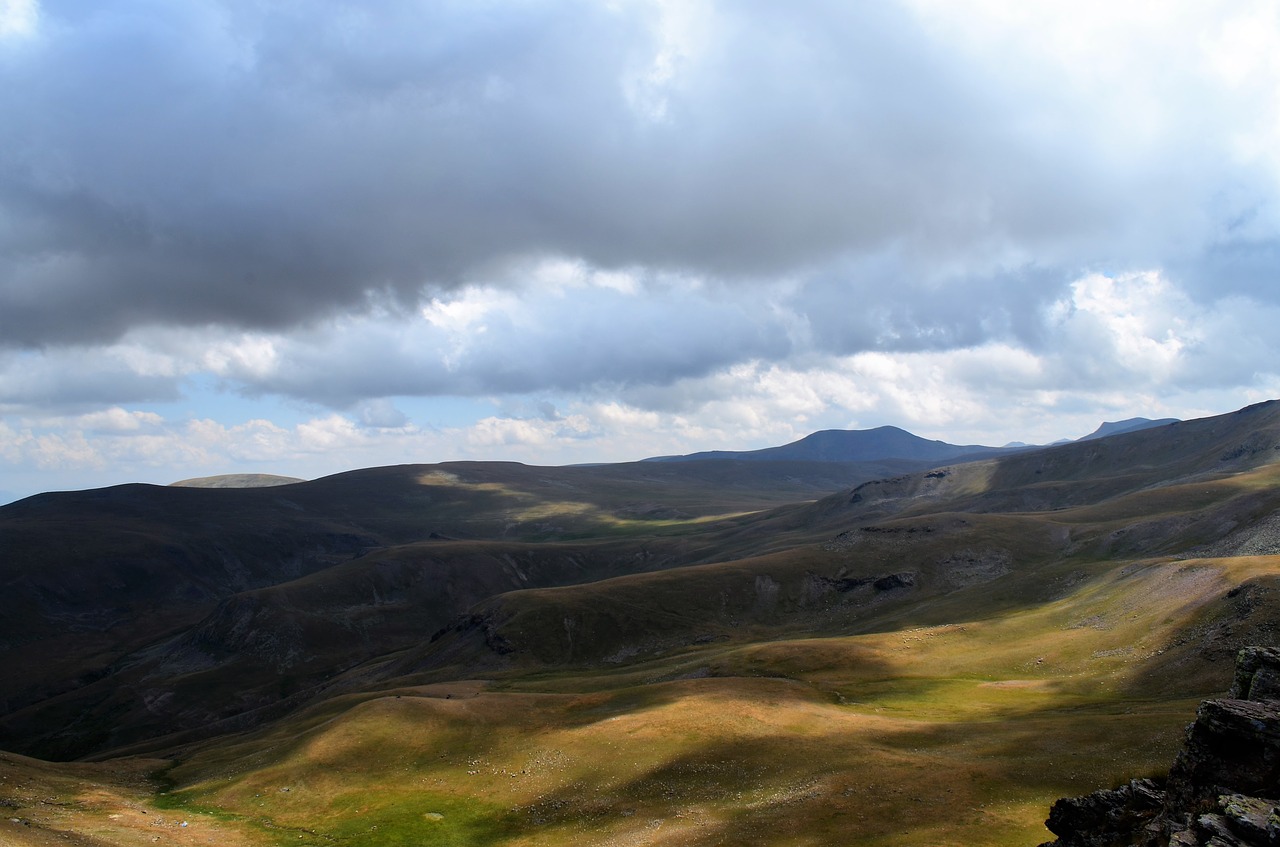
(1200, 656)
(842, 786)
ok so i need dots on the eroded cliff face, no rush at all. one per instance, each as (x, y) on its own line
(1222, 791)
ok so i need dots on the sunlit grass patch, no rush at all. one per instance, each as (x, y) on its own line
(407, 817)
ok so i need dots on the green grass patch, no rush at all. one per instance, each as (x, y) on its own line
(383, 818)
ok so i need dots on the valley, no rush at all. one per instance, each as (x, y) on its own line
(696, 652)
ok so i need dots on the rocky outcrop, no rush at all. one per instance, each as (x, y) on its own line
(1257, 675)
(1222, 791)
(1105, 818)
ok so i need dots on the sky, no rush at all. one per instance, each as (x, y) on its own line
(274, 236)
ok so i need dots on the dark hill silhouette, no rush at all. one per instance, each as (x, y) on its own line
(1128, 425)
(842, 445)
(99, 583)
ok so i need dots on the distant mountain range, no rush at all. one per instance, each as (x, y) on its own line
(844, 445)
(1130, 425)
(888, 442)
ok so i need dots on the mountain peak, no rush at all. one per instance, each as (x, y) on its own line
(848, 445)
(1128, 425)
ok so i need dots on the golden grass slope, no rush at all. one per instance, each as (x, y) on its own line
(101, 805)
(960, 733)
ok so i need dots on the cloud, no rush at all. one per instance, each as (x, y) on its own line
(625, 227)
(115, 420)
(570, 336)
(381, 413)
(263, 167)
(77, 378)
(18, 18)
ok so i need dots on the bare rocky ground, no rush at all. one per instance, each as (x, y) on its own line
(1221, 790)
(1259, 539)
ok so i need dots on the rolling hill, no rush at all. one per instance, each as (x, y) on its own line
(140, 568)
(1127, 425)
(687, 652)
(843, 445)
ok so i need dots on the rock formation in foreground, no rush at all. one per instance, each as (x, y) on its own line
(1223, 789)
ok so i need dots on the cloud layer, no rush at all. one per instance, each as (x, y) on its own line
(657, 207)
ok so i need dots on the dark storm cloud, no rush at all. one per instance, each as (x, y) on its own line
(265, 164)
(260, 166)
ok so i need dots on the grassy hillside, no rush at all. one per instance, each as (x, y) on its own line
(953, 733)
(530, 656)
(115, 599)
